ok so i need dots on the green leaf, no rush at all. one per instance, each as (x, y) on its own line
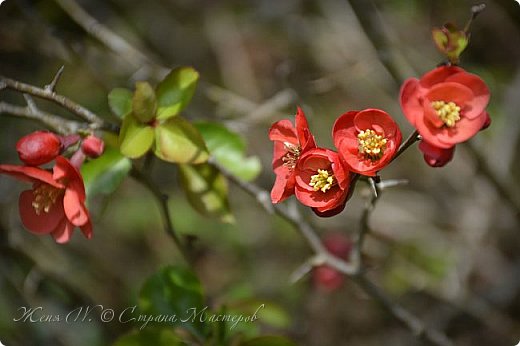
(229, 149)
(150, 336)
(135, 139)
(105, 174)
(175, 291)
(206, 190)
(179, 141)
(268, 341)
(440, 38)
(144, 103)
(175, 91)
(120, 102)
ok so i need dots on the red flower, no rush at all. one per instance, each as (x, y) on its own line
(434, 156)
(447, 105)
(38, 148)
(321, 181)
(327, 277)
(289, 144)
(366, 140)
(56, 203)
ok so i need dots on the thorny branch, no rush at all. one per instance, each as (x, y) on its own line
(322, 256)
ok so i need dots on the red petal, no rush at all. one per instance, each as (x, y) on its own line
(283, 131)
(409, 98)
(434, 156)
(71, 176)
(43, 223)
(342, 126)
(63, 232)
(283, 187)
(479, 88)
(76, 212)
(450, 91)
(87, 230)
(438, 75)
(304, 134)
(30, 174)
(377, 120)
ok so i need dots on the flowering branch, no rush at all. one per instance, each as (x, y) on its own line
(323, 256)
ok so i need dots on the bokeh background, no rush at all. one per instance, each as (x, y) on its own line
(446, 246)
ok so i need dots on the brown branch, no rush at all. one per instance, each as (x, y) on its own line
(322, 256)
(47, 94)
(53, 122)
(163, 199)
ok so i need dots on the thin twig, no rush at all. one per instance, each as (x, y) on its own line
(309, 234)
(163, 199)
(414, 137)
(109, 38)
(73, 107)
(53, 122)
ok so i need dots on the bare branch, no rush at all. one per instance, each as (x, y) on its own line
(73, 107)
(52, 122)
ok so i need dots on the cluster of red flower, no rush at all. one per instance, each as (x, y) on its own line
(56, 203)
(447, 106)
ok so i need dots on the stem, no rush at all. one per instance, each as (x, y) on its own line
(162, 198)
(50, 95)
(414, 137)
(475, 11)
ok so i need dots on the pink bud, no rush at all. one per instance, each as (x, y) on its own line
(93, 146)
(38, 148)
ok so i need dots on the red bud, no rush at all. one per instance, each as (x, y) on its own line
(93, 146)
(38, 148)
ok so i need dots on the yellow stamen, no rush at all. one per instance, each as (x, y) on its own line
(449, 112)
(292, 155)
(45, 197)
(371, 144)
(322, 181)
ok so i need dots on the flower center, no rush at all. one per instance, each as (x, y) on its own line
(449, 112)
(292, 155)
(45, 197)
(322, 181)
(371, 144)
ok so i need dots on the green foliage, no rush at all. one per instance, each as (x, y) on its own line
(175, 91)
(229, 149)
(268, 341)
(135, 139)
(207, 191)
(120, 102)
(105, 174)
(175, 291)
(144, 104)
(179, 141)
(150, 336)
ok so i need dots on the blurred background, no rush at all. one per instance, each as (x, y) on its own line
(446, 246)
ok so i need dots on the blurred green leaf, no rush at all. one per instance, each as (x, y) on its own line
(179, 141)
(150, 336)
(120, 102)
(106, 173)
(268, 341)
(229, 149)
(206, 190)
(135, 139)
(175, 291)
(175, 91)
(144, 103)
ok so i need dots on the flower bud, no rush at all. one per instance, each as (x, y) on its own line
(327, 277)
(38, 148)
(93, 146)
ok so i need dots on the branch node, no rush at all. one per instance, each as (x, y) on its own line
(31, 105)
